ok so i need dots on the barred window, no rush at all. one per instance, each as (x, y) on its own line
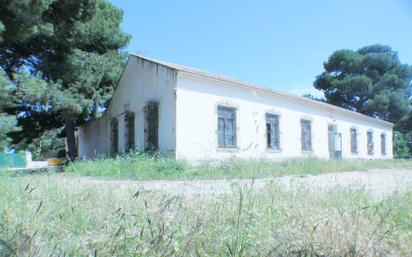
(129, 131)
(306, 134)
(272, 131)
(151, 126)
(369, 136)
(383, 144)
(353, 140)
(114, 136)
(226, 126)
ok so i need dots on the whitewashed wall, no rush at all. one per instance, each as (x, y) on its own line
(92, 138)
(196, 123)
(144, 81)
(141, 81)
(188, 118)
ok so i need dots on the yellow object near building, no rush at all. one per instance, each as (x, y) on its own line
(55, 162)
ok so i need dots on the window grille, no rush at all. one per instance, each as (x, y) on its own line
(226, 126)
(152, 126)
(272, 132)
(129, 120)
(114, 136)
(306, 134)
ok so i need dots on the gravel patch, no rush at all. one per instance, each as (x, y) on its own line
(378, 182)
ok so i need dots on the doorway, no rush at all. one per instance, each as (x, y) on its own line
(151, 127)
(335, 142)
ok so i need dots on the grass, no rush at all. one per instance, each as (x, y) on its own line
(42, 215)
(139, 166)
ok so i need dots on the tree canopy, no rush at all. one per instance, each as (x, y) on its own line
(7, 122)
(63, 59)
(372, 81)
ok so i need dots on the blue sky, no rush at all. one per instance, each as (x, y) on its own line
(277, 44)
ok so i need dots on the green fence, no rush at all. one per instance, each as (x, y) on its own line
(12, 160)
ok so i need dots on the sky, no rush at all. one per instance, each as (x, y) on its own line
(272, 43)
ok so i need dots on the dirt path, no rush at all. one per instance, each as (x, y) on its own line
(378, 182)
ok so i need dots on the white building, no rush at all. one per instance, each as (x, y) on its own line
(198, 116)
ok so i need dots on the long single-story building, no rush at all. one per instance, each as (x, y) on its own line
(200, 116)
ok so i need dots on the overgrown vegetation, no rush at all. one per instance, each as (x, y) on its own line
(140, 166)
(44, 215)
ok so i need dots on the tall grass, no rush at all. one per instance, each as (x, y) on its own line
(41, 215)
(140, 166)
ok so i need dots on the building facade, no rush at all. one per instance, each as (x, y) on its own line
(199, 116)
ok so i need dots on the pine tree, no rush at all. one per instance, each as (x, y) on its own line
(64, 58)
(372, 81)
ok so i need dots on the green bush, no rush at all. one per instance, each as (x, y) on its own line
(400, 145)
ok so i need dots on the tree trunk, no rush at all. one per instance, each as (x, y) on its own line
(71, 140)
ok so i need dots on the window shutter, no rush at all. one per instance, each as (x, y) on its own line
(221, 131)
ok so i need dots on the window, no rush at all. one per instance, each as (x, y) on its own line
(383, 144)
(129, 131)
(114, 136)
(272, 131)
(369, 136)
(151, 126)
(306, 134)
(353, 140)
(226, 126)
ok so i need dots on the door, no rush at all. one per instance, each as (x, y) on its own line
(334, 142)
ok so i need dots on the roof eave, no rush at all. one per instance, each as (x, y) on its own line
(246, 85)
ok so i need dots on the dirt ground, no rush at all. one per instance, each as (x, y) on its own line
(378, 182)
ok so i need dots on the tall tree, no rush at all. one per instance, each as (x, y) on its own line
(7, 122)
(370, 80)
(74, 46)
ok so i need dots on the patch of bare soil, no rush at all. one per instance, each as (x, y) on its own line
(378, 182)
